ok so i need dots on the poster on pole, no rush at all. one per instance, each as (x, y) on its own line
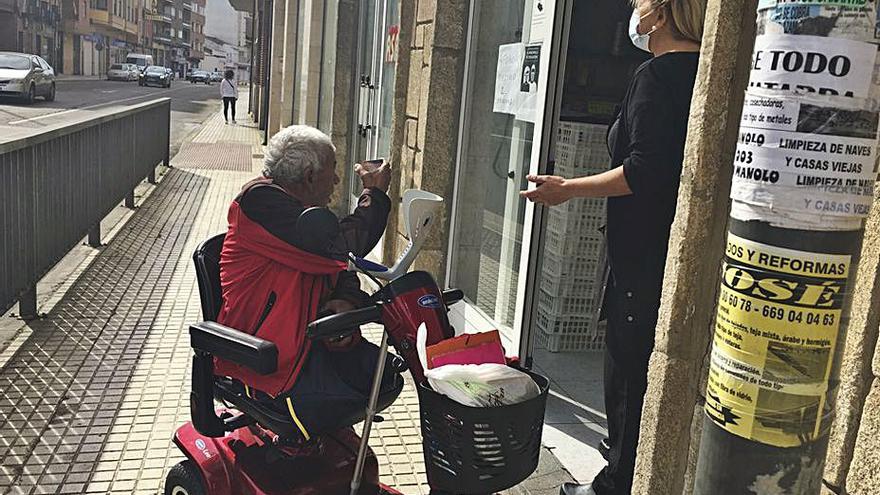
(800, 159)
(779, 315)
(767, 4)
(813, 64)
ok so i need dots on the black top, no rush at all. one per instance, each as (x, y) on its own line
(277, 212)
(647, 139)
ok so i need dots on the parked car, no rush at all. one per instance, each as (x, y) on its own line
(155, 75)
(123, 72)
(26, 76)
(216, 76)
(200, 76)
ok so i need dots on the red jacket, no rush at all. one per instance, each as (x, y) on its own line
(270, 289)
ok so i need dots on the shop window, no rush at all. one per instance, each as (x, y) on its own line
(495, 151)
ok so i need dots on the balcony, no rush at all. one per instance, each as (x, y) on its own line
(99, 16)
(160, 17)
(187, 6)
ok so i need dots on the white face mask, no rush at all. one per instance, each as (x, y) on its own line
(641, 41)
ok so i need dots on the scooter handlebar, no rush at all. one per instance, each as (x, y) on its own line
(452, 296)
(343, 324)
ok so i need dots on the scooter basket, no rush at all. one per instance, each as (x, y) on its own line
(472, 450)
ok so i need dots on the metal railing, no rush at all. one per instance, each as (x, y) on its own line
(57, 184)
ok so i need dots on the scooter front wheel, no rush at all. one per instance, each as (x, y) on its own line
(184, 479)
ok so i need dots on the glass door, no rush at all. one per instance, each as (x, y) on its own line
(365, 82)
(386, 59)
(511, 57)
(598, 64)
(376, 72)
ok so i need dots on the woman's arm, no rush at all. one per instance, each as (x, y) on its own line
(653, 166)
(553, 189)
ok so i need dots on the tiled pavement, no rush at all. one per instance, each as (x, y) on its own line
(91, 398)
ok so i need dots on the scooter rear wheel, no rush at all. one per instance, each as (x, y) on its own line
(184, 479)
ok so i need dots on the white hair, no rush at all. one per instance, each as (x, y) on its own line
(295, 150)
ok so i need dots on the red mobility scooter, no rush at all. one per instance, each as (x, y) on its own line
(244, 448)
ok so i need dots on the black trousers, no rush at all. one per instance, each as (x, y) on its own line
(228, 101)
(332, 389)
(632, 316)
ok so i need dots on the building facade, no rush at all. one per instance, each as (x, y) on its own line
(33, 26)
(177, 34)
(84, 37)
(219, 55)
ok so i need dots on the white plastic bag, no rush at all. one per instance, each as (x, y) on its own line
(482, 385)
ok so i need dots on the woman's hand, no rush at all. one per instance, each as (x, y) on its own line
(379, 179)
(551, 190)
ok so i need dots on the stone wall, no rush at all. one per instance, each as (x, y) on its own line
(853, 460)
(342, 111)
(290, 75)
(399, 121)
(432, 105)
(276, 65)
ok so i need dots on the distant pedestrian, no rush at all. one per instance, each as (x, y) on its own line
(229, 92)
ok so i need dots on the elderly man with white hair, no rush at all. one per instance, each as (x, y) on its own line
(277, 276)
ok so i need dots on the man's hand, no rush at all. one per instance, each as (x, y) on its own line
(551, 190)
(346, 343)
(379, 178)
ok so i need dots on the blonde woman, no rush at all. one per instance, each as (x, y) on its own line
(646, 142)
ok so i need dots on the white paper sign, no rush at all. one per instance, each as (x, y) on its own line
(803, 158)
(812, 64)
(538, 25)
(507, 78)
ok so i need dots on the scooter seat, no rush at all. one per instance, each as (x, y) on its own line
(231, 392)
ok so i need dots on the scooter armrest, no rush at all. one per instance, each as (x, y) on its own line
(342, 324)
(234, 346)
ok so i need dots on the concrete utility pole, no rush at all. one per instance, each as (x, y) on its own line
(804, 176)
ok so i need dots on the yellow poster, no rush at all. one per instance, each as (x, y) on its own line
(776, 328)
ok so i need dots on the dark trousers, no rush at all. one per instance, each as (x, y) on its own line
(228, 101)
(332, 389)
(629, 342)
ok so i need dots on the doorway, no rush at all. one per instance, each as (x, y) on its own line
(512, 53)
(565, 336)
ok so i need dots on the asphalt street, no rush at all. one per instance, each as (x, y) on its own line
(191, 104)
